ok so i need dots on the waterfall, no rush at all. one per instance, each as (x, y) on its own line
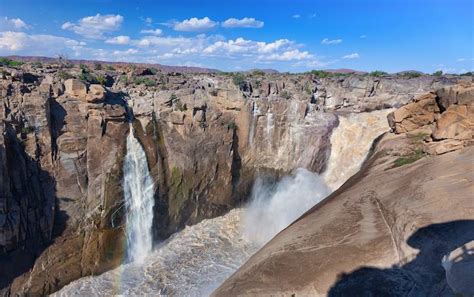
(350, 144)
(196, 260)
(138, 193)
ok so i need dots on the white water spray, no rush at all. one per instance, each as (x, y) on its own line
(138, 192)
(274, 207)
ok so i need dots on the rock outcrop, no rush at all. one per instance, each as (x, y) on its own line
(62, 145)
(387, 229)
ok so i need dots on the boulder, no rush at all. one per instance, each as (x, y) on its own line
(455, 123)
(75, 88)
(460, 94)
(414, 115)
(96, 93)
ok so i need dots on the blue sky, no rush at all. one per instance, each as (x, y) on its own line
(291, 35)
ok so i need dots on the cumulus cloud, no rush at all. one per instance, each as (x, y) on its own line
(95, 27)
(244, 46)
(351, 56)
(12, 24)
(296, 16)
(328, 41)
(194, 24)
(290, 55)
(39, 44)
(242, 23)
(122, 39)
(155, 32)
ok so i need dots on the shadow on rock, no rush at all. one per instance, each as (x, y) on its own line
(423, 276)
(29, 216)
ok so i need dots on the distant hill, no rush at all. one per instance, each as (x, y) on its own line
(164, 68)
(344, 70)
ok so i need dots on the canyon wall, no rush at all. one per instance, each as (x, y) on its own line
(205, 136)
(387, 229)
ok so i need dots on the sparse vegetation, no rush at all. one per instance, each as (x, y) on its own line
(110, 68)
(411, 74)
(64, 75)
(258, 73)
(467, 74)
(145, 81)
(101, 79)
(438, 73)
(232, 125)
(325, 74)
(378, 73)
(239, 80)
(97, 66)
(415, 156)
(9, 62)
(418, 138)
(286, 95)
(27, 130)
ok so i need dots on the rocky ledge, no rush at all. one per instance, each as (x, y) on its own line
(62, 144)
(391, 228)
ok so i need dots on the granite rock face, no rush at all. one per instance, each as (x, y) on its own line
(386, 230)
(62, 145)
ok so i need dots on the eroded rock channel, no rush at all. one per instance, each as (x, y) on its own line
(206, 138)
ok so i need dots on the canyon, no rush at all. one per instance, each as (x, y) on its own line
(207, 138)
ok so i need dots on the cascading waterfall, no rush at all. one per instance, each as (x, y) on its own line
(196, 260)
(139, 202)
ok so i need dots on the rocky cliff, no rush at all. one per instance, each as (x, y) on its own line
(205, 136)
(386, 231)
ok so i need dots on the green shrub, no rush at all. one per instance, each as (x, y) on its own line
(415, 156)
(239, 80)
(258, 73)
(320, 73)
(285, 94)
(64, 75)
(378, 73)
(110, 67)
(101, 79)
(467, 74)
(145, 81)
(97, 66)
(411, 74)
(9, 62)
(232, 125)
(27, 130)
(438, 73)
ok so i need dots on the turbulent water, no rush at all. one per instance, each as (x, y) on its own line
(350, 143)
(139, 202)
(274, 207)
(196, 260)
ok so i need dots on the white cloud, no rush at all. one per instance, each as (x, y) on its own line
(155, 32)
(148, 21)
(242, 23)
(244, 46)
(351, 56)
(312, 15)
(363, 36)
(194, 24)
(12, 24)
(95, 27)
(296, 16)
(329, 41)
(122, 39)
(44, 45)
(290, 55)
